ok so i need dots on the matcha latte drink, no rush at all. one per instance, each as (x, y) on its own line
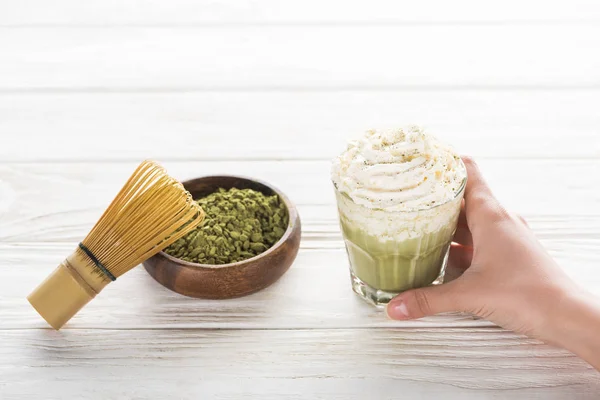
(398, 196)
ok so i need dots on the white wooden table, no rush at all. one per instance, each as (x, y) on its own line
(273, 89)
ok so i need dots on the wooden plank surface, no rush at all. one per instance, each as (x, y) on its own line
(291, 125)
(187, 12)
(291, 57)
(60, 201)
(316, 363)
(315, 292)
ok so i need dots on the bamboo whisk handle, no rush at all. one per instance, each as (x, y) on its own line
(66, 291)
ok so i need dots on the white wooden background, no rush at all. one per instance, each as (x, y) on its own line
(273, 89)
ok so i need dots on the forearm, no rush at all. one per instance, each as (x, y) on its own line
(577, 327)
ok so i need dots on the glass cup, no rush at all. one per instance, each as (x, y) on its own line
(393, 251)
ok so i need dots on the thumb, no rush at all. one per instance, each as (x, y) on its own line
(422, 302)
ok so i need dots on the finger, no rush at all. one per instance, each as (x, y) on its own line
(418, 303)
(481, 207)
(460, 257)
(463, 233)
(476, 184)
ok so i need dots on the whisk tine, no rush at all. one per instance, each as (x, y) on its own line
(151, 211)
(143, 218)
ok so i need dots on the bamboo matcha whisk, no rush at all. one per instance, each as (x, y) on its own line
(151, 211)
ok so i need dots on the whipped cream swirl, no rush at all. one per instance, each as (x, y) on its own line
(399, 170)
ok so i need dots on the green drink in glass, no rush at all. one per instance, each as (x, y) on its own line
(399, 195)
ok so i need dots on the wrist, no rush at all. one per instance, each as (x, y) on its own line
(575, 325)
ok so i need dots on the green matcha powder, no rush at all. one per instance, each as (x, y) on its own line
(239, 224)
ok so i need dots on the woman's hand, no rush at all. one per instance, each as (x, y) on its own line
(509, 277)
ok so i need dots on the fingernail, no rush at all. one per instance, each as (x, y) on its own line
(397, 310)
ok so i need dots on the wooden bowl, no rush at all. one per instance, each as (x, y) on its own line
(235, 279)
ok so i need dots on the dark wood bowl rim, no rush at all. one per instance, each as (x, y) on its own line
(292, 216)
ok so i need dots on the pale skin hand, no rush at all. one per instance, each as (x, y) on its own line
(509, 279)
